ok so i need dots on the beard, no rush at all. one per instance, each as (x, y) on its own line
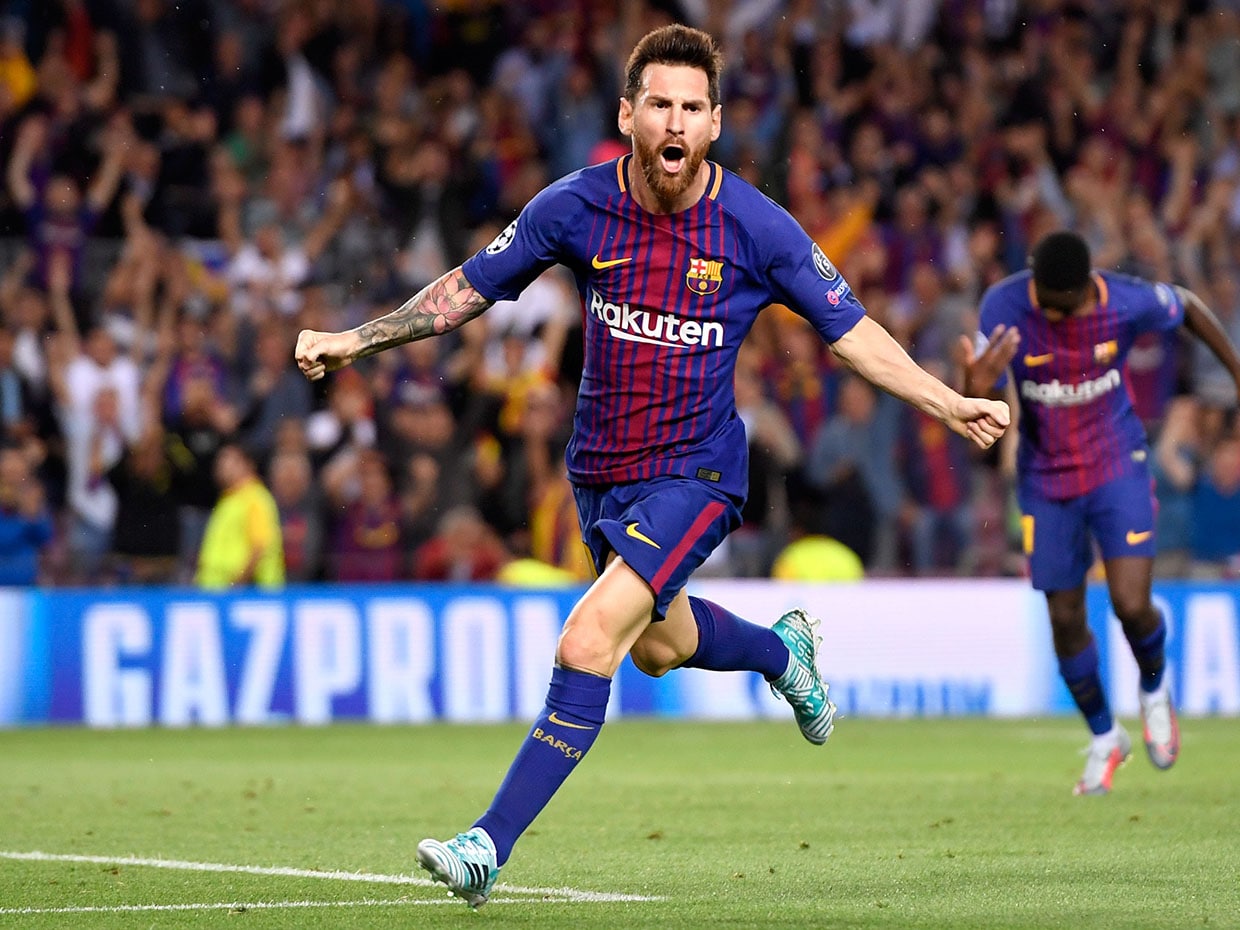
(667, 187)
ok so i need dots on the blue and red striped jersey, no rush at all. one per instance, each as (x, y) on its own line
(1078, 428)
(666, 301)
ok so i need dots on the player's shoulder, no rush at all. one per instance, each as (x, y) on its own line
(1010, 295)
(556, 213)
(589, 185)
(738, 197)
(1121, 286)
(1014, 285)
(773, 234)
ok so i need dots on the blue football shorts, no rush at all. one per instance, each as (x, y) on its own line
(1118, 515)
(663, 528)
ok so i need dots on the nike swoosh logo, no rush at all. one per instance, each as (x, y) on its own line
(1135, 539)
(599, 264)
(1033, 361)
(552, 718)
(633, 531)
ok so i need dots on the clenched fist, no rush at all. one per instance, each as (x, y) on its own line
(318, 353)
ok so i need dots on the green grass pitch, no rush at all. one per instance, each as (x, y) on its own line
(939, 824)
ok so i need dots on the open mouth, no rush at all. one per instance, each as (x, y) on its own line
(672, 158)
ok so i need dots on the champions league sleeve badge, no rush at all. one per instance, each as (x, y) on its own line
(503, 240)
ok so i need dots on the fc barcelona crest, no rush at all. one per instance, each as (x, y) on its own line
(704, 276)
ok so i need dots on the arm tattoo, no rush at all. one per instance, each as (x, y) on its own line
(438, 308)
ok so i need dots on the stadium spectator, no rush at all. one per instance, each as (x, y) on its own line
(16, 404)
(25, 520)
(420, 501)
(801, 378)
(429, 198)
(27, 316)
(851, 465)
(274, 390)
(18, 81)
(464, 548)
(146, 542)
(290, 476)
(579, 117)
(59, 217)
(195, 364)
(346, 425)
(936, 474)
(1214, 542)
(95, 442)
(555, 536)
(1177, 452)
(197, 427)
(658, 454)
(267, 273)
(242, 545)
(774, 453)
(1064, 329)
(366, 531)
(166, 49)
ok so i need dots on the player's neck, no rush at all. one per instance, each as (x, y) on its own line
(1090, 304)
(651, 202)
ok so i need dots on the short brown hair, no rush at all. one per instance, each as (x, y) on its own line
(674, 45)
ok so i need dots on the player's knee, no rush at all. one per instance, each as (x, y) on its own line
(1131, 608)
(584, 644)
(653, 659)
(586, 653)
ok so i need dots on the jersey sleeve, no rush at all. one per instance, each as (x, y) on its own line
(525, 249)
(1156, 307)
(803, 278)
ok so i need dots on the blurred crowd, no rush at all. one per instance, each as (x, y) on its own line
(187, 184)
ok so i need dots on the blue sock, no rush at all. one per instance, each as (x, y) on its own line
(1151, 656)
(726, 643)
(1080, 674)
(570, 721)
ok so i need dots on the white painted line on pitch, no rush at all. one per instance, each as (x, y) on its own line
(568, 894)
(233, 906)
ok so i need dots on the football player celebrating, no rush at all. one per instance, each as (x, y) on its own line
(674, 258)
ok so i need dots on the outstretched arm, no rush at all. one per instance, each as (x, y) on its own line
(870, 351)
(1202, 323)
(442, 306)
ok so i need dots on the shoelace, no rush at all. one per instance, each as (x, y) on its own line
(467, 844)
